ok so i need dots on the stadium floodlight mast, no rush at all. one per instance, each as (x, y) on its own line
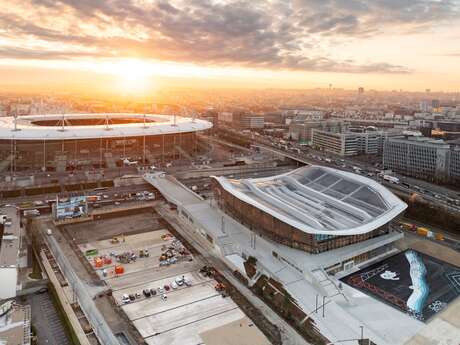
(107, 128)
(15, 129)
(62, 123)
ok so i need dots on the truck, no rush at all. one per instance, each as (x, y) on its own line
(33, 212)
(93, 198)
(391, 179)
(128, 162)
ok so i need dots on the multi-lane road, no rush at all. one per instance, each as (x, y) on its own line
(435, 194)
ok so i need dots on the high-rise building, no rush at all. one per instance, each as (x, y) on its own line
(360, 90)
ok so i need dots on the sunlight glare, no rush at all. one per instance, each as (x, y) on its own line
(133, 76)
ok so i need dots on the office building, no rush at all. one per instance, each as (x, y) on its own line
(251, 122)
(424, 158)
(10, 242)
(302, 130)
(15, 324)
(350, 143)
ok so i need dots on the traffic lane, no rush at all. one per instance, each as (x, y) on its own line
(52, 196)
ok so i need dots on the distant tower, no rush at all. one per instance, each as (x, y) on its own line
(360, 90)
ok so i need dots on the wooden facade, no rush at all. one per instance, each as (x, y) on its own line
(271, 227)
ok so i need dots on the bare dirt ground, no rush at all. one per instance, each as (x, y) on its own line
(107, 228)
(436, 250)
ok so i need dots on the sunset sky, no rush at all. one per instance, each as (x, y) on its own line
(138, 45)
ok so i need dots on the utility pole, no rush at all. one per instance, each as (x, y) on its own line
(316, 308)
(324, 303)
(223, 225)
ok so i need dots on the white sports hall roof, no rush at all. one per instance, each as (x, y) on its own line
(28, 129)
(320, 200)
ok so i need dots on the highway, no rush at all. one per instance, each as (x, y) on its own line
(437, 195)
(111, 192)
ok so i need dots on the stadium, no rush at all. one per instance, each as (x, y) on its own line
(69, 141)
(314, 208)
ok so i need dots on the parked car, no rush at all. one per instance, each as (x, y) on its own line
(174, 285)
(138, 295)
(164, 297)
(153, 292)
(125, 299)
(132, 297)
(147, 293)
(180, 281)
(188, 282)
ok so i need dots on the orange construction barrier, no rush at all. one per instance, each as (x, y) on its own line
(119, 269)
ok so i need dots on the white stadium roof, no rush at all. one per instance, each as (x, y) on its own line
(28, 129)
(320, 200)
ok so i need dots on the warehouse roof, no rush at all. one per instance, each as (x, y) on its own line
(320, 200)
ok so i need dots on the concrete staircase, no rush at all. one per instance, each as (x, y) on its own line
(61, 162)
(182, 152)
(327, 283)
(5, 164)
(226, 245)
(109, 160)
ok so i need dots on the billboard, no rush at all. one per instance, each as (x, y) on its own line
(410, 281)
(71, 207)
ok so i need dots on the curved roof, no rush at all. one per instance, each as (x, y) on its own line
(320, 200)
(27, 129)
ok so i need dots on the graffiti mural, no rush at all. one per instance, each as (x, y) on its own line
(412, 282)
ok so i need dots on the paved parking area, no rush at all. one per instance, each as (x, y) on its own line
(187, 312)
(45, 319)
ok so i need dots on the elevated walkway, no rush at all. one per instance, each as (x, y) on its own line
(301, 274)
(182, 152)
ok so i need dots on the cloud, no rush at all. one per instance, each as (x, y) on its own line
(281, 34)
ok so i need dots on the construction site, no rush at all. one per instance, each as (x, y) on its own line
(148, 285)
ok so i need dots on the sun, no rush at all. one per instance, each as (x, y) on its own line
(133, 76)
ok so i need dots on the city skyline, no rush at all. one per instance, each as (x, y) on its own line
(133, 47)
